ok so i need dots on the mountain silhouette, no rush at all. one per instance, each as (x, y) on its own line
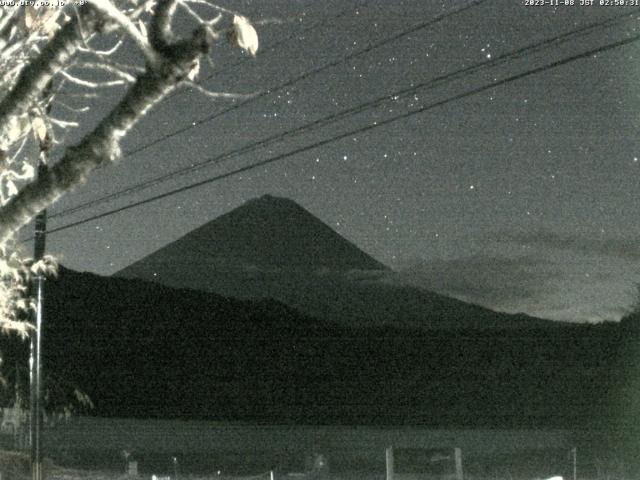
(269, 233)
(141, 349)
(271, 247)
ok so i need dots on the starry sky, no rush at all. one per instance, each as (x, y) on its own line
(521, 197)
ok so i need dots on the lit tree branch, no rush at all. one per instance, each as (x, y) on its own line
(35, 51)
(102, 145)
(106, 7)
(89, 84)
(34, 78)
(211, 94)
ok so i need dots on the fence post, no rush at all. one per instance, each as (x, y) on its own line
(458, 458)
(389, 457)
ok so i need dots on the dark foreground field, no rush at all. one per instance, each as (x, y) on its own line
(95, 448)
(532, 465)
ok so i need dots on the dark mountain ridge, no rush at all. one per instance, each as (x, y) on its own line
(145, 350)
(319, 333)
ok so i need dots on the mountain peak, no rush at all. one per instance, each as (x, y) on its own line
(270, 204)
(265, 234)
(268, 199)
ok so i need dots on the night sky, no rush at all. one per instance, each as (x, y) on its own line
(522, 197)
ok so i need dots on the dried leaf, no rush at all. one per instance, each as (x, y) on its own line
(11, 188)
(17, 126)
(195, 70)
(49, 22)
(30, 18)
(243, 35)
(39, 128)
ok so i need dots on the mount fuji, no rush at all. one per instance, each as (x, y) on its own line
(271, 247)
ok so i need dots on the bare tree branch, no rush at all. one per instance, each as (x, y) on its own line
(56, 55)
(102, 145)
(89, 84)
(34, 51)
(106, 7)
(212, 94)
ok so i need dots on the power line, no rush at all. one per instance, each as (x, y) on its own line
(305, 75)
(461, 73)
(290, 82)
(357, 131)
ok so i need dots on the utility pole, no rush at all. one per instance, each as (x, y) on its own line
(35, 360)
